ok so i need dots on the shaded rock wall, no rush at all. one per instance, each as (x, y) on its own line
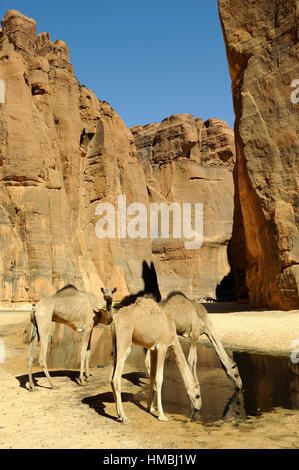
(62, 151)
(262, 49)
(187, 160)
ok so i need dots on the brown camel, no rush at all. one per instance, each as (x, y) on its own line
(145, 324)
(191, 320)
(80, 311)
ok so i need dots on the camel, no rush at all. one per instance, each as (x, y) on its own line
(145, 324)
(191, 320)
(108, 297)
(80, 311)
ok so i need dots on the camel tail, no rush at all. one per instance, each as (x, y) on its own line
(34, 327)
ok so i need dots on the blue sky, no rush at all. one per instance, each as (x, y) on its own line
(148, 59)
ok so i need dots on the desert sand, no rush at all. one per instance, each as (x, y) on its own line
(85, 417)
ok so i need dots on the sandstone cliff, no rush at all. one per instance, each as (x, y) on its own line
(188, 160)
(62, 151)
(262, 49)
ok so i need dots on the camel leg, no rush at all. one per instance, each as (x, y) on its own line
(33, 342)
(192, 357)
(191, 385)
(123, 347)
(152, 361)
(111, 381)
(229, 364)
(83, 354)
(161, 353)
(116, 386)
(87, 358)
(148, 362)
(44, 337)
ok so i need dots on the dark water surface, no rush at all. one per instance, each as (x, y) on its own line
(269, 382)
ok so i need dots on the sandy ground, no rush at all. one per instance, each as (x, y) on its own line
(85, 417)
(264, 331)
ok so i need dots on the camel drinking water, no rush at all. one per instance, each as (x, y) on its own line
(145, 324)
(78, 310)
(191, 320)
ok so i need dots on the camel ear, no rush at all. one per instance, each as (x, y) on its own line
(114, 290)
(102, 289)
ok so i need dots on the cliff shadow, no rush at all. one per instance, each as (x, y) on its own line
(226, 290)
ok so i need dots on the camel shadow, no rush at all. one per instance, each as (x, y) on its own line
(134, 378)
(73, 375)
(151, 286)
(97, 403)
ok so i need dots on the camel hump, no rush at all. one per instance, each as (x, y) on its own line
(69, 289)
(175, 293)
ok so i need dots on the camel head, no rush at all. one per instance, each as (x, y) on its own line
(232, 372)
(108, 294)
(195, 399)
(108, 297)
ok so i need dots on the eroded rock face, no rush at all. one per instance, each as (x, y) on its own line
(262, 49)
(187, 160)
(48, 180)
(63, 151)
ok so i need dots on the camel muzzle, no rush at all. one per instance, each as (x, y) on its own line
(195, 414)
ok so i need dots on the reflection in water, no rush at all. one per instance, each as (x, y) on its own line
(268, 382)
(234, 410)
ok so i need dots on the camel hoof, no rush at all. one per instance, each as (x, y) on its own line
(81, 381)
(152, 409)
(163, 418)
(32, 389)
(125, 420)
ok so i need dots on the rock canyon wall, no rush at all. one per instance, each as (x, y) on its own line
(62, 151)
(188, 160)
(262, 49)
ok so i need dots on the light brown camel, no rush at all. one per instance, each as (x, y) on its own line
(191, 320)
(108, 297)
(80, 311)
(145, 324)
